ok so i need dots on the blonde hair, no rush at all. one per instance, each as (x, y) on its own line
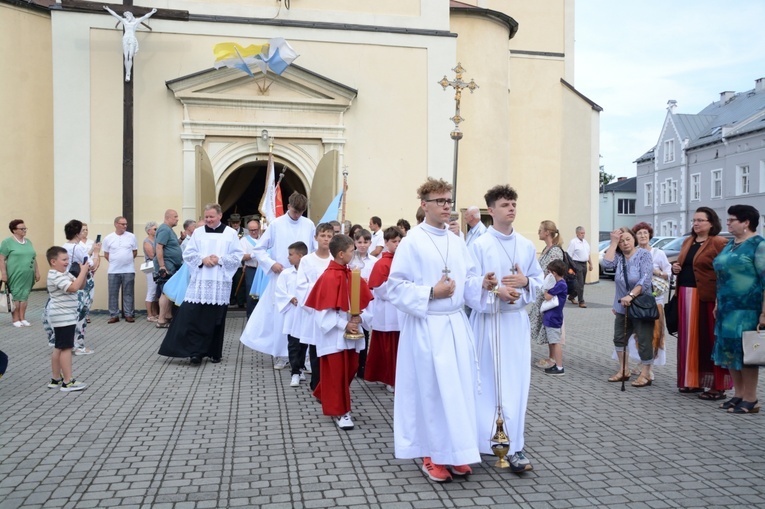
(550, 227)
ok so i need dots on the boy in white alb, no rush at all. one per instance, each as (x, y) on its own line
(286, 303)
(311, 267)
(363, 242)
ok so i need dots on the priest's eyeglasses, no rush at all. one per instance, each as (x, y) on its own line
(441, 201)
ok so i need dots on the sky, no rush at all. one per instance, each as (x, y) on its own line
(632, 56)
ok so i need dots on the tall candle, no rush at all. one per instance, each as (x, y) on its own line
(355, 291)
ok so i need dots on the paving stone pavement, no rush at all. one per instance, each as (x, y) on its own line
(160, 433)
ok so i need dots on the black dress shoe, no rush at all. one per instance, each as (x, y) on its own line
(215, 360)
(196, 360)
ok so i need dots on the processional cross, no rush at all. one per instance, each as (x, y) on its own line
(458, 84)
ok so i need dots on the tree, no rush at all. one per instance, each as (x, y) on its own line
(605, 178)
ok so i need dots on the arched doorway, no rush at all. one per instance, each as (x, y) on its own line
(243, 189)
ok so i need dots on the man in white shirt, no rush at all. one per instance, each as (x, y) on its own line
(579, 252)
(120, 250)
(477, 228)
(248, 241)
(375, 226)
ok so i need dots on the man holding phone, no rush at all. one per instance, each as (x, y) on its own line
(120, 250)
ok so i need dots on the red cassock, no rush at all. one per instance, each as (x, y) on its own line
(383, 345)
(332, 291)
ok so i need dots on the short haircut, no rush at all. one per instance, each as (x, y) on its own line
(253, 221)
(433, 186)
(403, 224)
(713, 219)
(15, 224)
(299, 247)
(324, 227)
(391, 233)
(643, 226)
(188, 223)
(473, 211)
(419, 215)
(149, 226)
(53, 252)
(352, 231)
(214, 206)
(746, 213)
(298, 202)
(169, 213)
(558, 267)
(73, 228)
(117, 219)
(339, 243)
(579, 229)
(335, 223)
(362, 234)
(499, 192)
(375, 220)
(625, 229)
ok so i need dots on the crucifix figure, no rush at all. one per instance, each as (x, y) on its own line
(129, 41)
(446, 272)
(456, 134)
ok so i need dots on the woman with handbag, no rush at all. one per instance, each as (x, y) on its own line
(633, 271)
(740, 270)
(662, 270)
(553, 250)
(18, 269)
(696, 289)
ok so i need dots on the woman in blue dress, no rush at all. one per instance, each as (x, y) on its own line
(740, 270)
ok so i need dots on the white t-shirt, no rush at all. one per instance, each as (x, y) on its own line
(120, 249)
(377, 240)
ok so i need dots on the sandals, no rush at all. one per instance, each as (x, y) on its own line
(712, 395)
(745, 407)
(642, 382)
(619, 377)
(688, 390)
(731, 403)
(162, 325)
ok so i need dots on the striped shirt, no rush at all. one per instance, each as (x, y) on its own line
(62, 308)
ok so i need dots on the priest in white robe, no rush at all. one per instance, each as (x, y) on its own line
(432, 277)
(513, 259)
(212, 256)
(263, 331)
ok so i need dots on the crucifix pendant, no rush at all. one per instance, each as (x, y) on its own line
(446, 272)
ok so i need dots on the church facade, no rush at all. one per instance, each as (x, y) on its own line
(363, 97)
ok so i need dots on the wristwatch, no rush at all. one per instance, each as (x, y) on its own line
(630, 294)
(432, 293)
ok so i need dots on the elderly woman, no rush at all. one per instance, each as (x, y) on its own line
(662, 270)
(18, 269)
(149, 251)
(696, 291)
(633, 270)
(740, 270)
(553, 250)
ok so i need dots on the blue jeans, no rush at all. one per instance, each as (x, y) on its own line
(126, 281)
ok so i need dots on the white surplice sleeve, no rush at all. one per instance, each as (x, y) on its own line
(407, 296)
(262, 248)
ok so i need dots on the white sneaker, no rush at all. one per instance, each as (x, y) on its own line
(83, 351)
(520, 463)
(25, 323)
(18, 324)
(390, 388)
(302, 376)
(307, 365)
(281, 363)
(73, 385)
(295, 381)
(344, 422)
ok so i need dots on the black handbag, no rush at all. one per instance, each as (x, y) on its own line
(672, 315)
(643, 307)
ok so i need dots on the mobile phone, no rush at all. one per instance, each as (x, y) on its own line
(84, 260)
(98, 238)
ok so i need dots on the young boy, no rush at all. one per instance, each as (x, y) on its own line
(311, 267)
(62, 315)
(381, 361)
(552, 319)
(286, 302)
(362, 239)
(338, 356)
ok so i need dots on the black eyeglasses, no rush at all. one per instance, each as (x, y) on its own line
(22, 229)
(441, 201)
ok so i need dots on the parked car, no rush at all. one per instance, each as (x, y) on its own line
(672, 249)
(604, 273)
(659, 242)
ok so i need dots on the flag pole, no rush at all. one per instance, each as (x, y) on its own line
(345, 198)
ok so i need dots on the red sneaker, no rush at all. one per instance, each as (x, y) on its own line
(437, 473)
(461, 470)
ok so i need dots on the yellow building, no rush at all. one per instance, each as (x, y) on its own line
(363, 95)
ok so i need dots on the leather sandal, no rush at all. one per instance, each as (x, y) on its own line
(731, 403)
(641, 382)
(745, 407)
(712, 395)
(619, 377)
